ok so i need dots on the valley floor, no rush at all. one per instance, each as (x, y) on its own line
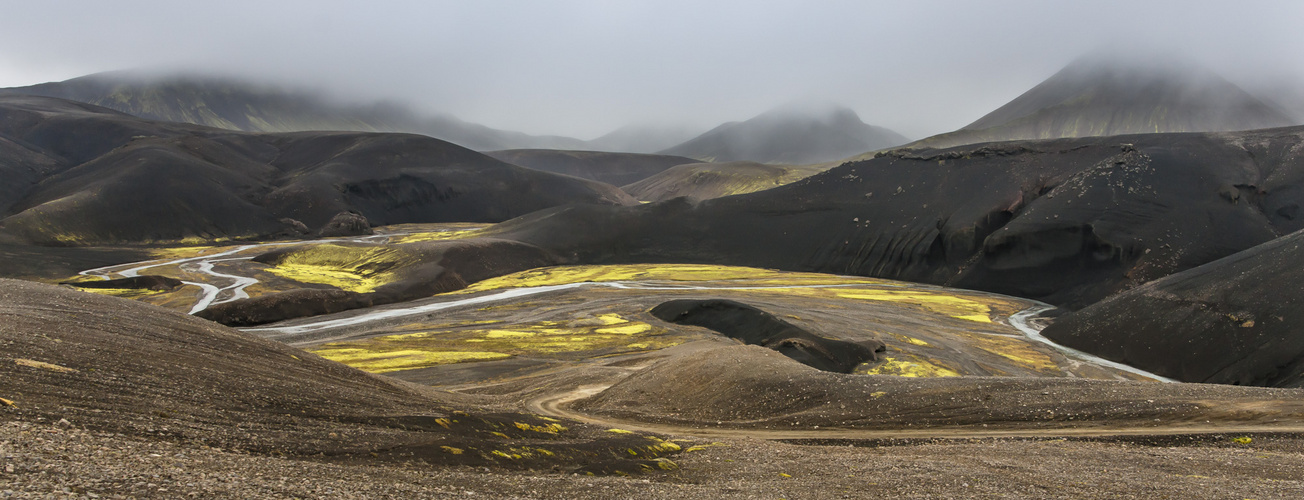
(964, 402)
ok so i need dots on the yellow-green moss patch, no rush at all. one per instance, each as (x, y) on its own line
(604, 334)
(384, 361)
(359, 269)
(911, 366)
(562, 275)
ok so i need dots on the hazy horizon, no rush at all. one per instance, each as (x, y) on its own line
(583, 69)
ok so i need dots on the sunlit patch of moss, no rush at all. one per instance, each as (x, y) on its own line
(943, 303)
(384, 361)
(545, 429)
(185, 252)
(499, 434)
(7, 402)
(452, 450)
(620, 431)
(126, 293)
(700, 447)
(359, 269)
(509, 334)
(452, 234)
(663, 272)
(911, 366)
(629, 329)
(1017, 350)
(605, 334)
(911, 340)
(659, 446)
(660, 464)
(506, 455)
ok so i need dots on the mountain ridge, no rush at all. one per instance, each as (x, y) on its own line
(790, 134)
(1097, 95)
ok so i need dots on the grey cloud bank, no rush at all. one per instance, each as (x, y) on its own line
(586, 68)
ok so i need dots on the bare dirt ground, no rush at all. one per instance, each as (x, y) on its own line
(43, 460)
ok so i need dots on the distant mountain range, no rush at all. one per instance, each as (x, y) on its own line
(789, 134)
(1101, 96)
(79, 174)
(237, 105)
(793, 134)
(642, 138)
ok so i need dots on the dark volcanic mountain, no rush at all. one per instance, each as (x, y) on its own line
(1102, 96)
(235, 105)
(701, 181)
(1236, 320)
(790, 134)
(81, 174)
(612, 168)
(1067, 221)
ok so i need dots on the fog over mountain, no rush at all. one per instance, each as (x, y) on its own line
(794, 133)
(1107, 93)
(583, 69)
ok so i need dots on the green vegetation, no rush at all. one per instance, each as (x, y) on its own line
(359, 269)
(909, 365)
(562, 275)
(384, 361)
(603, 334)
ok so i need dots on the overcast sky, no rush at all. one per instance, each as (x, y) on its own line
(582, 68)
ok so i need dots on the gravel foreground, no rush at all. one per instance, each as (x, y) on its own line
(45, 460)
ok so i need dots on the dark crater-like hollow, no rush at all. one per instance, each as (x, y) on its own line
(756, 327)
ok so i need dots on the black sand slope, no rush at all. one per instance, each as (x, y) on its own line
(702, 181)
(1065, 221)
(118, 366)
(83, 175)
(238, 105)
(616, 169)
(790, 135)
(1101, 96)
(1237, 320)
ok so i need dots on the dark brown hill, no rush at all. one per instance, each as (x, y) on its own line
(792, 134)
(237, 105)
(79, 174)
(1237, 320)
(616, 169)
(1066, 221)
(1101, 95)
(701, 181)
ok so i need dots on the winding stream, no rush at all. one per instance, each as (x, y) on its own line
(203, 264)
(1020, 321)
